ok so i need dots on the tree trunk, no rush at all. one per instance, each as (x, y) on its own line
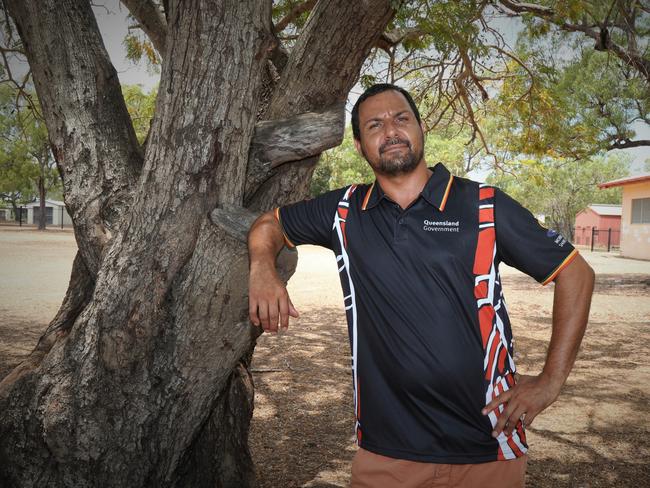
(141, 379)
(41, 197)
(16, 210)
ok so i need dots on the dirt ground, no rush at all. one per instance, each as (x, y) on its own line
(597, 434)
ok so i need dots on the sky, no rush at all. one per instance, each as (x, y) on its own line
(112, 19)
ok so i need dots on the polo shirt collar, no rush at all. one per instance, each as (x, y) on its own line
(436, 191)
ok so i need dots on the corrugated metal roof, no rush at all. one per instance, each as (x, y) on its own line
(628, 180)
(607, 209)
(47, 201)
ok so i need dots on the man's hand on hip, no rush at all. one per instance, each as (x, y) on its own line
(524, 401)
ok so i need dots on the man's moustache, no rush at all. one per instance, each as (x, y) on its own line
(393, 142)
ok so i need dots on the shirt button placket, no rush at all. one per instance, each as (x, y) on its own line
(401, 228)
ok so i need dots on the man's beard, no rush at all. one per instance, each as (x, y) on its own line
(400, 162)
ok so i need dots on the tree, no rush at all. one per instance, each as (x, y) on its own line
(576, 106)
(26, 163)
(559, 188)
(141, 378)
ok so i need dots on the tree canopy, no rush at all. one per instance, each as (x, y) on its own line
(25, 157)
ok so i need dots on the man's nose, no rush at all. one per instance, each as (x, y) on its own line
(390, 130)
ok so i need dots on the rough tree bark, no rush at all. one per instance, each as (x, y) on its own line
(141, 379)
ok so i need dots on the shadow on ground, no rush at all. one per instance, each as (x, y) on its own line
(302, 431)
(596, 435)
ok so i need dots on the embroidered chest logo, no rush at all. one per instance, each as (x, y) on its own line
(441, 226)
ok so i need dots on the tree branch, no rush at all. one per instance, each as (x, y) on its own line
(151, 20)
(627, 143)
(276, 142)
(390, 39)
(307, 83)
(293, 15)
(600, 35)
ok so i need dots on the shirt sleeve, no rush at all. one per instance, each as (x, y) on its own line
(310, 221)
(525, 244)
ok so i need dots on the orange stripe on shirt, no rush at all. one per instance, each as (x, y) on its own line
(562, 265)
(287, 241)
(444, 198)
(367, 197)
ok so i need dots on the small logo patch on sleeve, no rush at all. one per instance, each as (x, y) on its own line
(559, 238)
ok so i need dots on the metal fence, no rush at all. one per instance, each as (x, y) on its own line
(9, 217)
(594, 238)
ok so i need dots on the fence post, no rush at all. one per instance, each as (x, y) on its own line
(593, 232)
(20, 217)
(609, 238)
(62, 217)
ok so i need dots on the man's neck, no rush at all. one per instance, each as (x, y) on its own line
(405, 188)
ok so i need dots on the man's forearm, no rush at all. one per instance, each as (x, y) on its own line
(265, 240)
(532, 394)
(571, 302)
(269, 303)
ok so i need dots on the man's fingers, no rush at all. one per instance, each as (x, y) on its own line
(284, 313)
(252, 313)
(529, 418)
(501, 423)
(273, 316)
(263, 313)
(514, 419)
(502, 398)
(292, 310)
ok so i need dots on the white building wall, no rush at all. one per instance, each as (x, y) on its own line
(635, 238)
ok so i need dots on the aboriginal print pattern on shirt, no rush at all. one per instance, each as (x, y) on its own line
(496, 334)
(343, 262)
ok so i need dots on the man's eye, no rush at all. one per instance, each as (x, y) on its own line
(374, 125)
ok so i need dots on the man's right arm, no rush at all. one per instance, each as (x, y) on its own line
(268, 299)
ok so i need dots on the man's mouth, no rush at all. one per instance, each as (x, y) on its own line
(394, 146)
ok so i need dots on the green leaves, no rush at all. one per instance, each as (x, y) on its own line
(139, 48)
(559, 188)
(574, 108)
(25, 155)
(141, 107)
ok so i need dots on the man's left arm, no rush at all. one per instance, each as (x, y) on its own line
(532, 394)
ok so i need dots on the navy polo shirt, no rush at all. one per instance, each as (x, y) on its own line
(429, 331)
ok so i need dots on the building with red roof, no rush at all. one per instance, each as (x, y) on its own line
(600, 222)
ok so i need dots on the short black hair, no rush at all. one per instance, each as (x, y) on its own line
(375, 90)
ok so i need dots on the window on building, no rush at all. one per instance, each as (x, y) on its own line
(49, 215)
(641, 211)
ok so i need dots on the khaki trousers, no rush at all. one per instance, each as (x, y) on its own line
(370, 470)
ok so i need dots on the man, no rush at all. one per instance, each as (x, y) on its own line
(436, 398)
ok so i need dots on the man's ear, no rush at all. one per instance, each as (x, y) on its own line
(357, 146)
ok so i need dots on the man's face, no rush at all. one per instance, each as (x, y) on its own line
(392, 140)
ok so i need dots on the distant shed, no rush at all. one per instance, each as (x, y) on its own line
(55, 212)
